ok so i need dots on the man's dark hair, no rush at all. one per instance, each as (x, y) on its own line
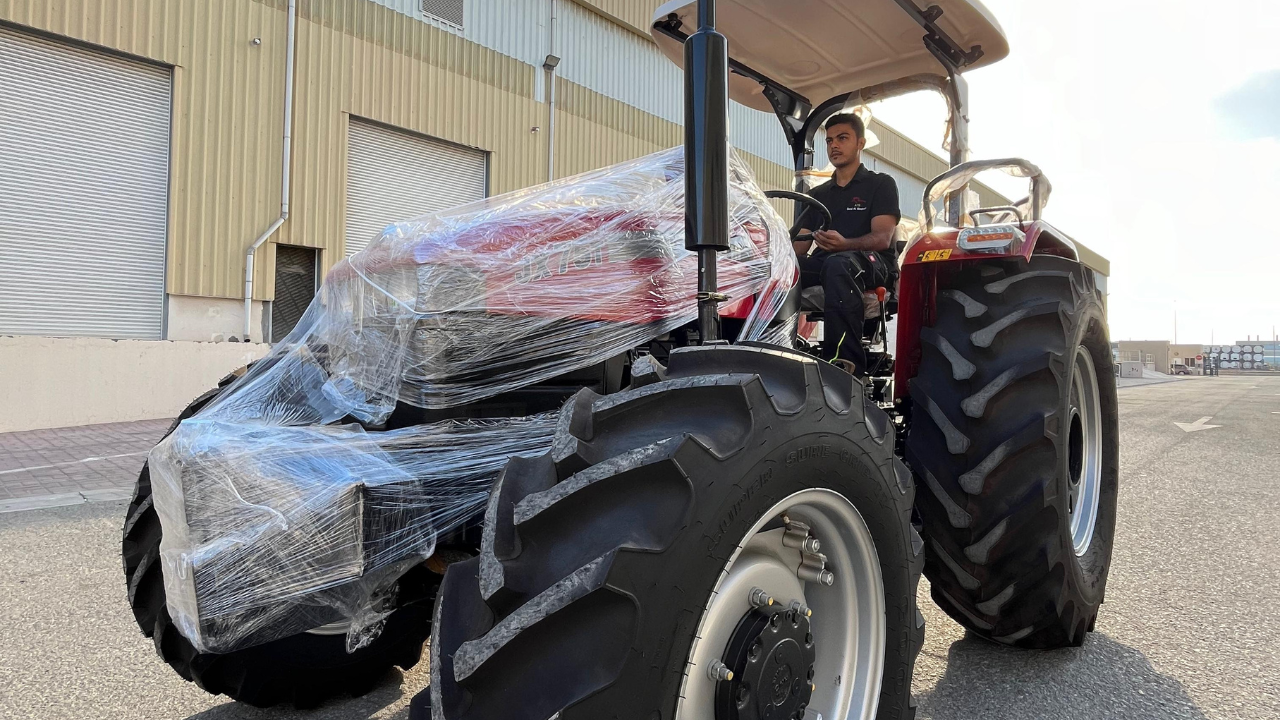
(848, 119)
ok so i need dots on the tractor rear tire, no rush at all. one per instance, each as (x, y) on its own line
(1014, 440)
(602, 561)
(303, 669)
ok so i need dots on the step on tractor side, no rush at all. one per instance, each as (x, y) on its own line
(702, 519)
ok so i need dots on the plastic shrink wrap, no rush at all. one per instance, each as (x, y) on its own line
(287, 506)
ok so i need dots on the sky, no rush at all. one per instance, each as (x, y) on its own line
(1158, 123)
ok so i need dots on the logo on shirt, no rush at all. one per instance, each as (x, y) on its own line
(857, 203)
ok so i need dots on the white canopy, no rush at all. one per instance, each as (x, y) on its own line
(822, 48)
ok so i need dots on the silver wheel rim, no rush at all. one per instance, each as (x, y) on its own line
(1084, 450)
(848, 616)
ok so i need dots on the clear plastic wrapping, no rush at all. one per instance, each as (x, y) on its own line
(285, 508)
(271, 531)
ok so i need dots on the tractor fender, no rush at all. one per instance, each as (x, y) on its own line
(929, 254)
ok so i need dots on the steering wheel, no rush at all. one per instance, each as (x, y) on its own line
(809, 200)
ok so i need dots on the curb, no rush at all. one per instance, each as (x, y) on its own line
(41, 502)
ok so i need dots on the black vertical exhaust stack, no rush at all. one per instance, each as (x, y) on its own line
(706, 157)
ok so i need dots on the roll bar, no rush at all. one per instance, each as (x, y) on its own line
(959, 176)
(800, 118)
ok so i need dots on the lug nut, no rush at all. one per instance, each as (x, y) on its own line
(719, 671)
(760, 599)
(826, 578)
(801, 609)
(811, 545)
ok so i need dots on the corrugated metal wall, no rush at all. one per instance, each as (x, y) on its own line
(479, 86)
(617, 63)
(904, 158)
(516, 28)
(353, 56)
(595, 130)
(634, 14)
(224, 187)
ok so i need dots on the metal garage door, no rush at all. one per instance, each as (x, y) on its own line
(394, 175)
(84, 178)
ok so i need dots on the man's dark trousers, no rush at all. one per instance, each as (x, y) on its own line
(844, 276)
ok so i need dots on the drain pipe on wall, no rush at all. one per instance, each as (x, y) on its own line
(550, 65)
(284, 175)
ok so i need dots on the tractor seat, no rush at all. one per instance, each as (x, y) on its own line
(813, 298)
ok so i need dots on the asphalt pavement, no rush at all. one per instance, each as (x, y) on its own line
(1189, 629)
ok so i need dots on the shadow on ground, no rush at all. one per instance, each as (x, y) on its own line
(388, 701)
(1103, 679)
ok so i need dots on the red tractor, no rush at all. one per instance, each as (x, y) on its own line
(574, 435)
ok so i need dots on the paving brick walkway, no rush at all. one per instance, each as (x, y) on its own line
(102, 460)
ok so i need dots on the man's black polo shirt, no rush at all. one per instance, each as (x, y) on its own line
(869, 194)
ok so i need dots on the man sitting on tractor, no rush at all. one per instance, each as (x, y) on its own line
(855, 254)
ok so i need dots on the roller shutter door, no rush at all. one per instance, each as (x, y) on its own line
(84, 177)
(394, 175)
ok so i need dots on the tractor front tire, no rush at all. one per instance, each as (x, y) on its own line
(615, 571)
(1014, 439)
(303, 669)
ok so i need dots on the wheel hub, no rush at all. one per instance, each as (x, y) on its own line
(772, 657)
(810, 554)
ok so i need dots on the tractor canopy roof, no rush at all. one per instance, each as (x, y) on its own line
(822, 48)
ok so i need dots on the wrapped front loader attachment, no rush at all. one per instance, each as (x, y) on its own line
(271, 530)
(285, 504)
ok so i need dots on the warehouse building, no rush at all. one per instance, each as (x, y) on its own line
(1158, 355)
(144, 153)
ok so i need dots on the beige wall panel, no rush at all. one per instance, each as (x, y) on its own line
(909, 155)
(146, 28)
(594, 131)
(228, 111)
(359, 58)
(634, 15)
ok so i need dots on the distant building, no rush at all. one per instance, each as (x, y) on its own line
(1159, 355)
(1152, 353)
(1185, 354)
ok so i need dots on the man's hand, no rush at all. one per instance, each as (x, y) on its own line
(832, 241)
(880, 237)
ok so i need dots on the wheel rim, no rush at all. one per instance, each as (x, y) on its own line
(848, 620)
(1084, 445)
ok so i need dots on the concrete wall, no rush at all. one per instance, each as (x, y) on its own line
(200, 319)
(57, 382)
